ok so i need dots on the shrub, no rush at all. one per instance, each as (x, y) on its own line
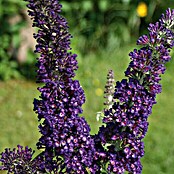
(66, 143)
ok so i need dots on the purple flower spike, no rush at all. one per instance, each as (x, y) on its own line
(64, 134)
(120, 140)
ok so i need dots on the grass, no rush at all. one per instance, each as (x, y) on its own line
(18, 122)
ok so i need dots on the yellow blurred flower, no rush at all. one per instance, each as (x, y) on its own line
(142, 9)
(99, 92)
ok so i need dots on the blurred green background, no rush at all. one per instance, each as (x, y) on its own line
(104, 32)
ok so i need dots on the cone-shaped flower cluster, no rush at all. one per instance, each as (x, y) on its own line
(119, 142)
(109, 90)
(64, 133)
(66, 143)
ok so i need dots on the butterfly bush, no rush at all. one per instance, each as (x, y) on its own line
(65, 143)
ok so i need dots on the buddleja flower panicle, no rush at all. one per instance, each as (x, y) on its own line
(109, 89)
(64, 133)
(120, 141)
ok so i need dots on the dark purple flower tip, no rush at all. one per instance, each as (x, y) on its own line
(143, 40)
(168, 18)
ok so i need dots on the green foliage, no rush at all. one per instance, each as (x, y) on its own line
(99, 23)
(109, 23)
(8, 67)
(9, 37)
